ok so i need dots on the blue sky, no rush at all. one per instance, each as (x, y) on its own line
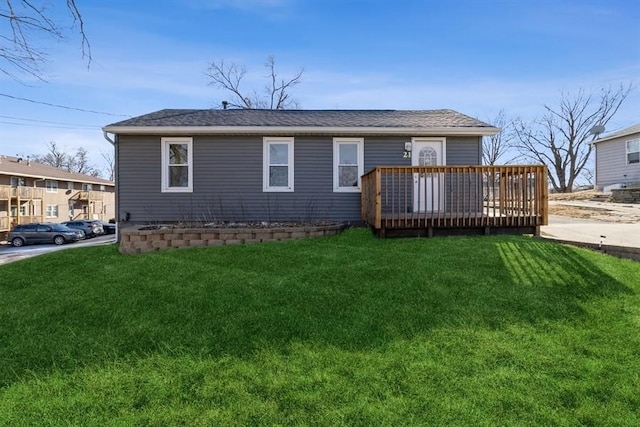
(474, 56)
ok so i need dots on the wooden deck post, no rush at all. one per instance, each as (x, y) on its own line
(545, 196)
(378, 217)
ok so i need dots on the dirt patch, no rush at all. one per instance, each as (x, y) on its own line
(594, 205)
(580, 195)
(578, 211)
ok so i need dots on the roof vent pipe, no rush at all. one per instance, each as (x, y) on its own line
(225, 104)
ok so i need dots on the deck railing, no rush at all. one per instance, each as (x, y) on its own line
(408, 197)
(21, 192)
(88, 195)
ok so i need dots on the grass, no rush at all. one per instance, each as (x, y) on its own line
(347, 330)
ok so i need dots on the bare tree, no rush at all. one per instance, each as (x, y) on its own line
(275, 94)
(24, 21)
(497, 148)
(562, 138)
(55, 157)
(76, 163)
(109, 158)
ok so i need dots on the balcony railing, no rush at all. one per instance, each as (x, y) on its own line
(88, 195)
(25, 193)
(431, 197)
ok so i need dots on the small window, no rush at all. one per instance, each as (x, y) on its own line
(51, 186)
(87, 187)
(348, 164)
(103, 188)
(278, 164)
(52, 211)
(633, 151)
(177, 165)
(69, 185)
(17, 181)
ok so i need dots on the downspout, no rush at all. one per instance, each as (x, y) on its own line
(115, 180)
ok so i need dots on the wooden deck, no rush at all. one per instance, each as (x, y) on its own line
(440, 200)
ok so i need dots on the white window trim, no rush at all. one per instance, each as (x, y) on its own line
(266, 141)
(53, 188)
(165, 142)
(336, 159)
(627, 152)
(48, 210)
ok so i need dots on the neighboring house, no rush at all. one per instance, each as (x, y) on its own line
(617, 163)
(33, 192)
(289, 165)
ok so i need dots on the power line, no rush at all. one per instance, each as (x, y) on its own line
(87, 127)
(73, 125)
(61, 106)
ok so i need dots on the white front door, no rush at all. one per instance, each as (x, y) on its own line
(428, 188)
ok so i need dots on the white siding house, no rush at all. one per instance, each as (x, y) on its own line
(618, 159)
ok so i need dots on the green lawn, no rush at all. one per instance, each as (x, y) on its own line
(347, 330)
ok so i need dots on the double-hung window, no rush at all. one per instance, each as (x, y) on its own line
(51, 186)
(348, 164)
(278, 164)
(52, 211)
(633, 151)
(177, 165)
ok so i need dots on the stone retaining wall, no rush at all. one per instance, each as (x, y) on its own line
(133, 241)
(625, 195)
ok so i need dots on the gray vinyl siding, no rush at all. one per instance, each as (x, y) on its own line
(227, 179)
(611, 163)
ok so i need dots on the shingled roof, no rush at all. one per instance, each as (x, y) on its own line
(18, 166)
(618, 134)
(303, 121)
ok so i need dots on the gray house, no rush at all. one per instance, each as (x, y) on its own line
(618, 159)
(310, 165)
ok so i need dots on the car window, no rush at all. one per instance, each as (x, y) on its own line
(44, 228)
(26, 227)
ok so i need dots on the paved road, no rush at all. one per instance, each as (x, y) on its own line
(8, 253)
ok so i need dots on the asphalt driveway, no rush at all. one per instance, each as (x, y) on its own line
(8, 253)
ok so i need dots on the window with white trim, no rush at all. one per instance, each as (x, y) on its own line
(87, 187)
(51, 186)
(633, 151)
(348, 164)
(103, 187)
(277, 164)
(52, 211)
(69, 185)
(177, 165)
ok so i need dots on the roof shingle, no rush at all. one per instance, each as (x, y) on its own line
(11, 166)
(304, 118)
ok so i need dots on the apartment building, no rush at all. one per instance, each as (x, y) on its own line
(33, 192)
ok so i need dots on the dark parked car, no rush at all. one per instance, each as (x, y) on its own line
(91, 228)
(24, 234)
(108, 227)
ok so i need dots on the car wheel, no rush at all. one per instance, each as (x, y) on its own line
(17, 242)
(58, 240)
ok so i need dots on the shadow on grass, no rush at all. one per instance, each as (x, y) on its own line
(350, 291)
